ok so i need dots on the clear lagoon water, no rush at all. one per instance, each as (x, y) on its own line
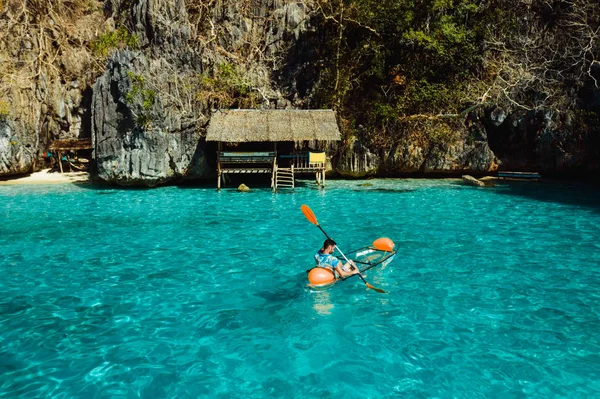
(188, 292)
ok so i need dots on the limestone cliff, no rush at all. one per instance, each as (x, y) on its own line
(141, 78)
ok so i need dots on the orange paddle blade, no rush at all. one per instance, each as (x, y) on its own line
(375, 289)
(309, 214)
(384, 244)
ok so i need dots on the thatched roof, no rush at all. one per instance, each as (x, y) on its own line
(243, 125)
(72, 144)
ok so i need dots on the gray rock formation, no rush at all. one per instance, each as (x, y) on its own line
(357, 161)
(18, 150)
(138, 139)
(456, 147)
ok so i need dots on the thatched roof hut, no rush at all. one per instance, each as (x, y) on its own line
(253, 125)
(71, 145)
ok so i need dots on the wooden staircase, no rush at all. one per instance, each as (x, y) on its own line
(283, 178)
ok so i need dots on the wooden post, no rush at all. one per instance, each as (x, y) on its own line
(274, 168)
(59, 161)
(219, 166)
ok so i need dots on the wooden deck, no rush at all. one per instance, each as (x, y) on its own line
(238, 162)
(519, 175)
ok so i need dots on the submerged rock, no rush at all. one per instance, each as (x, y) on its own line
(471, 181)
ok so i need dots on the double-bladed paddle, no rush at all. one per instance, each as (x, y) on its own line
(313, 219)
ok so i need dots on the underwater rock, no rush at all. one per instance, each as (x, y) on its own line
(471, 181)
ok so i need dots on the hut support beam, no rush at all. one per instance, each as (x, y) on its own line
(219, 167)
(59, 161)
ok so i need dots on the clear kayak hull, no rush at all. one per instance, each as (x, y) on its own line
(365, 258)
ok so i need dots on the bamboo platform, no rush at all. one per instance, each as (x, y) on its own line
(519, 175)
(282, 176)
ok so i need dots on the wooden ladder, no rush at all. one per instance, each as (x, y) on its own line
(284, 178)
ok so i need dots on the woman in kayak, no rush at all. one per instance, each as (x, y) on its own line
(324, 258)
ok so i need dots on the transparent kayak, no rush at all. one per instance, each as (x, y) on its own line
(365, 258)
(369, 257)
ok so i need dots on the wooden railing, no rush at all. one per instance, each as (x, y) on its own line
(297, 159)
(300, 160)
(246, 157)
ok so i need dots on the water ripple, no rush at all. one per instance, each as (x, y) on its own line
(192, 293)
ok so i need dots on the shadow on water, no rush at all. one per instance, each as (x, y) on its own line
(575, 194)
(285, 292)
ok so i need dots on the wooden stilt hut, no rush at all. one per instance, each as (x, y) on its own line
(266, 129)
(61, 148)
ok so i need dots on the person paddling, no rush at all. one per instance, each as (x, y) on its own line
(323, 258)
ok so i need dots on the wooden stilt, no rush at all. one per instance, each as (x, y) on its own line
(59, 161)
(219, 166)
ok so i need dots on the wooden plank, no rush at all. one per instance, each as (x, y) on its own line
(519, 175)
(254, 170)
(60, 162)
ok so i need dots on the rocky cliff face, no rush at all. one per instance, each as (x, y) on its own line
(422, 145)
(147, 106)
(150, 108)
(17, 150)
(137, 140)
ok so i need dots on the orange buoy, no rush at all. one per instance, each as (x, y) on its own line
(384, 244)
(320, 276)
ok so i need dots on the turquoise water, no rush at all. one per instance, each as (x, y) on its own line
(187, 293)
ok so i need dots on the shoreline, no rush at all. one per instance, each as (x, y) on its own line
(45, 176)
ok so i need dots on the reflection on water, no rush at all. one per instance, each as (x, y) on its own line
(322, 302)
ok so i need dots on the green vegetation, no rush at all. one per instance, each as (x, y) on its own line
(112, 41)
(139, 94)
(382, 62)
(227, 87)
(4, 109)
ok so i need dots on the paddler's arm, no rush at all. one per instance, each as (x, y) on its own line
(343, 273)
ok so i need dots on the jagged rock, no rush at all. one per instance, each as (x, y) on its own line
(497, 116)
(357, 161)
(471, 181)
(459, 147)
(243, 188)
(18, 150)
(136, 144)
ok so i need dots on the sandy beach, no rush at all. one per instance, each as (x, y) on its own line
(47, 177)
